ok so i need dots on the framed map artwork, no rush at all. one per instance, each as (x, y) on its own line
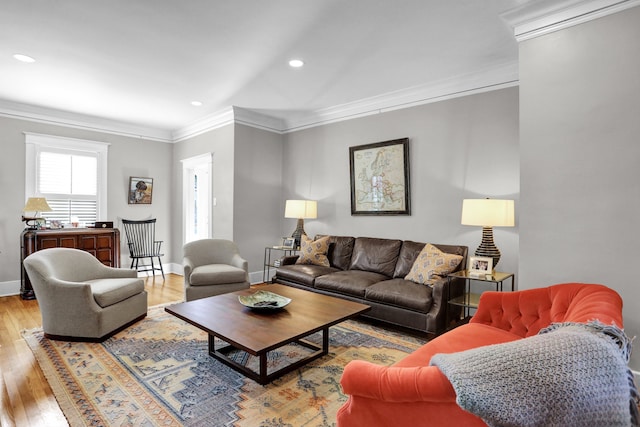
(380, 178)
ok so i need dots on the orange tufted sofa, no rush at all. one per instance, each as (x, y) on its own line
(413, 393)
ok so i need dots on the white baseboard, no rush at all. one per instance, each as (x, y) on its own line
(256, 277)
(9, 288)
(171, 267)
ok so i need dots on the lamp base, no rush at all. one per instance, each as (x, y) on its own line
(33, 223)
(298, 232)
(487, 248)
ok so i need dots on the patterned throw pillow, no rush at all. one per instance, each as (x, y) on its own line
(431, 264)
(313, 251)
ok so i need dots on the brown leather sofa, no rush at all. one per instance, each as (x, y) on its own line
(371, 271)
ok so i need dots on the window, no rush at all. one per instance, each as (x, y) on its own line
(70, 174)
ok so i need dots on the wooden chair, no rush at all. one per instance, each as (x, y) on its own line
(141, 239)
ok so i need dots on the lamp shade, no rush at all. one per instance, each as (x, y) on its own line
(306, 209)
(37, 204)
(488, 212)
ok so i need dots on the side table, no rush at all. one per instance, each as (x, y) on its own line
(269, 263)
(469, 300)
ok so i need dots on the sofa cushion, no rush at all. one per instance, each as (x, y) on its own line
(432, 264)
(340, 251)
(352, 282)
(107, 292)
(313, 251)
(216, 274)
(408, 254)
(401, 293)
(375, 255)
(304, 274)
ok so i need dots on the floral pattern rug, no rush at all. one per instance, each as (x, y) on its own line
(158, 373)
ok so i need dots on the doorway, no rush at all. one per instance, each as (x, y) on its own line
(197, 174)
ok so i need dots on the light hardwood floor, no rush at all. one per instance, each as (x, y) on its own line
(25, 396)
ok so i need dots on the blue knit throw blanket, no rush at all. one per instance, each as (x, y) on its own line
(570, 374)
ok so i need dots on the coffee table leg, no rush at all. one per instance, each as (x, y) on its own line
(325, 341)
(264, 378)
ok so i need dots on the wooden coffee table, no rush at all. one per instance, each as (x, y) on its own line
(258, 331)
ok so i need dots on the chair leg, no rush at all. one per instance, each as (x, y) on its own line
(161, 270)
(133, 260)
(153, 267)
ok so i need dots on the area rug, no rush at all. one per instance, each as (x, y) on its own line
(158, 373)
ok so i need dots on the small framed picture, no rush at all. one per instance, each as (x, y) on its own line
(140, 190)
(288, 243)
(55, 224)
(480, 266)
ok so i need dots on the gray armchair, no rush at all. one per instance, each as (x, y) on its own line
(80, 298)
(213, 267)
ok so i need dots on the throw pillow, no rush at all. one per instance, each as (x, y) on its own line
(314, 251)
(431, 264)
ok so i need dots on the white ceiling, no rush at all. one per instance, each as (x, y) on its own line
(142, 62)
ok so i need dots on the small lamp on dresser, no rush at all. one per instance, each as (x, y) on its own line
(35, 205)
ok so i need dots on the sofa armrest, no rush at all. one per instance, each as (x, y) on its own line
(187, 266)
(289, 260)
(238, 261)
(444, 313)
(75, 297)
(397, 384)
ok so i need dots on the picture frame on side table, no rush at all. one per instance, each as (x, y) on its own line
(140, 190)
(480, 266)
(288, 242)
(380, 178)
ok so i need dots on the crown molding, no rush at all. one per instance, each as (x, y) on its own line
(498, 77)
(230, 115)
(537, 18)
(80, 121)
(258, 120)
(206, 124)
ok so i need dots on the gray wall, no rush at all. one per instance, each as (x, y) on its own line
(580, 203)
(258, 205)
(460, 148)
(127, 157)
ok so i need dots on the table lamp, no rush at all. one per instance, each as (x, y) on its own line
(36, 205)
(300, 209)
(488, 213)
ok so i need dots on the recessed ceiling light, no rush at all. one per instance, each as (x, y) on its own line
(296, 63)
(196, 103)
(23, 58)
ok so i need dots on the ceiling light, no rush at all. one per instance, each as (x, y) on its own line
(23, 58)
(196, 103)
(296, 63)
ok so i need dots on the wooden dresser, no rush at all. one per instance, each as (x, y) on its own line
(102, 243)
